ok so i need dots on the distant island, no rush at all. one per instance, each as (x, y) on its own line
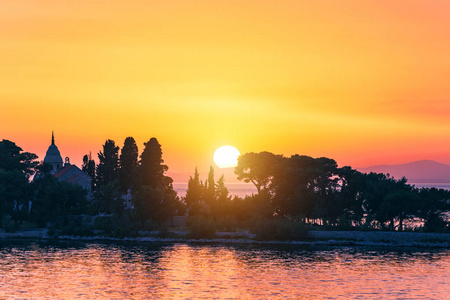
(422, 171)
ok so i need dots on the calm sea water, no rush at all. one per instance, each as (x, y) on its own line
(235, 188)
(445, 186)
(243, 189)
(34, 270)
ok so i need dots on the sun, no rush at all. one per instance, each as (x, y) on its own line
(226, 157)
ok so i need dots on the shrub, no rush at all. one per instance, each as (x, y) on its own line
(9, 225)
(281, 229)
(52, 232)
(124, 227)
(201, 227)
(104, 223)
(75, 230)
(228, 223)
(436, 223)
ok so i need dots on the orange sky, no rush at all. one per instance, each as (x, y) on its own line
(363, 82)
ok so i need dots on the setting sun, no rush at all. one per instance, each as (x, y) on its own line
(226, 156)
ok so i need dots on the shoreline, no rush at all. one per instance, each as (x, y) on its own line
(315, 238)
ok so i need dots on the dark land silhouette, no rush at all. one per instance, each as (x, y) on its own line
(132, 193)
(422, 171)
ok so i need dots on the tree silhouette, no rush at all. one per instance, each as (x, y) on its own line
(128, 164)
(88, 167)
(433, 208)
(152, 169)
(13, 194)
(222, 206)
(108, 166)
(108, 199)
(16, 168)
(257, 168)
(209, 193)
(222, 192)
(155, 190)
(194, 191)
(398, 205)
(53, 199)
(12, 158)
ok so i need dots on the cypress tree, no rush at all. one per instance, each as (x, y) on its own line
(108, 166)
(128, 163)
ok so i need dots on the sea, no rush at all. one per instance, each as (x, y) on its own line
(445, 186)
(240, 189)
(243, 189)
(93, 270)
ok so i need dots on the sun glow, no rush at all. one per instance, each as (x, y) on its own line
(226, 157)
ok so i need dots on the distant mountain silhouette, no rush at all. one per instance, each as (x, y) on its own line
(422, 171)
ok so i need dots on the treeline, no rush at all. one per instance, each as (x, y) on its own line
(143, 176)
(210, 208)
(45, 201)
(301, 190)
(40, 201)
(317, 191)
(132, 192)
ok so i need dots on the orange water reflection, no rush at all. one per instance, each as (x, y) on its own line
(98, 271)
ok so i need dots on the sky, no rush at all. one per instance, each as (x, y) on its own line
(362, 82)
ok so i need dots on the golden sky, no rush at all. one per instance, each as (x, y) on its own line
(363, 82)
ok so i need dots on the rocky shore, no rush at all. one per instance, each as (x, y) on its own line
(330, 238)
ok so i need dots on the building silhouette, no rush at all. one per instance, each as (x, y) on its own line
(53, 156)
(66, 172)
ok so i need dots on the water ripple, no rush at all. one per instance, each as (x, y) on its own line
(32, 270)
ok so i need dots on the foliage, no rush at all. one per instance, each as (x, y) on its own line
(88, 167)
(124, 226)
(9, 225)
(14, 194)
(227, 223)
(282, 229)
(222, 193)
(208, 199)
(104, 224)
(257, 168)
(151, 169)
(75, 229)
(13, 159)
(148, 203)
(108, 199)
(154, 197)
(128, 162)
(116, 226)
(313, 190)
(194, 191)
(436, 223)
(108, 166)
(209, 191)
(335, 197)
(53, 199)
(16, 168)
(201, 227)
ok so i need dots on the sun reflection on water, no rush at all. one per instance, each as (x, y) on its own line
(96, 271)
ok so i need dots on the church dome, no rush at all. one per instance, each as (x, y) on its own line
(53, 156)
